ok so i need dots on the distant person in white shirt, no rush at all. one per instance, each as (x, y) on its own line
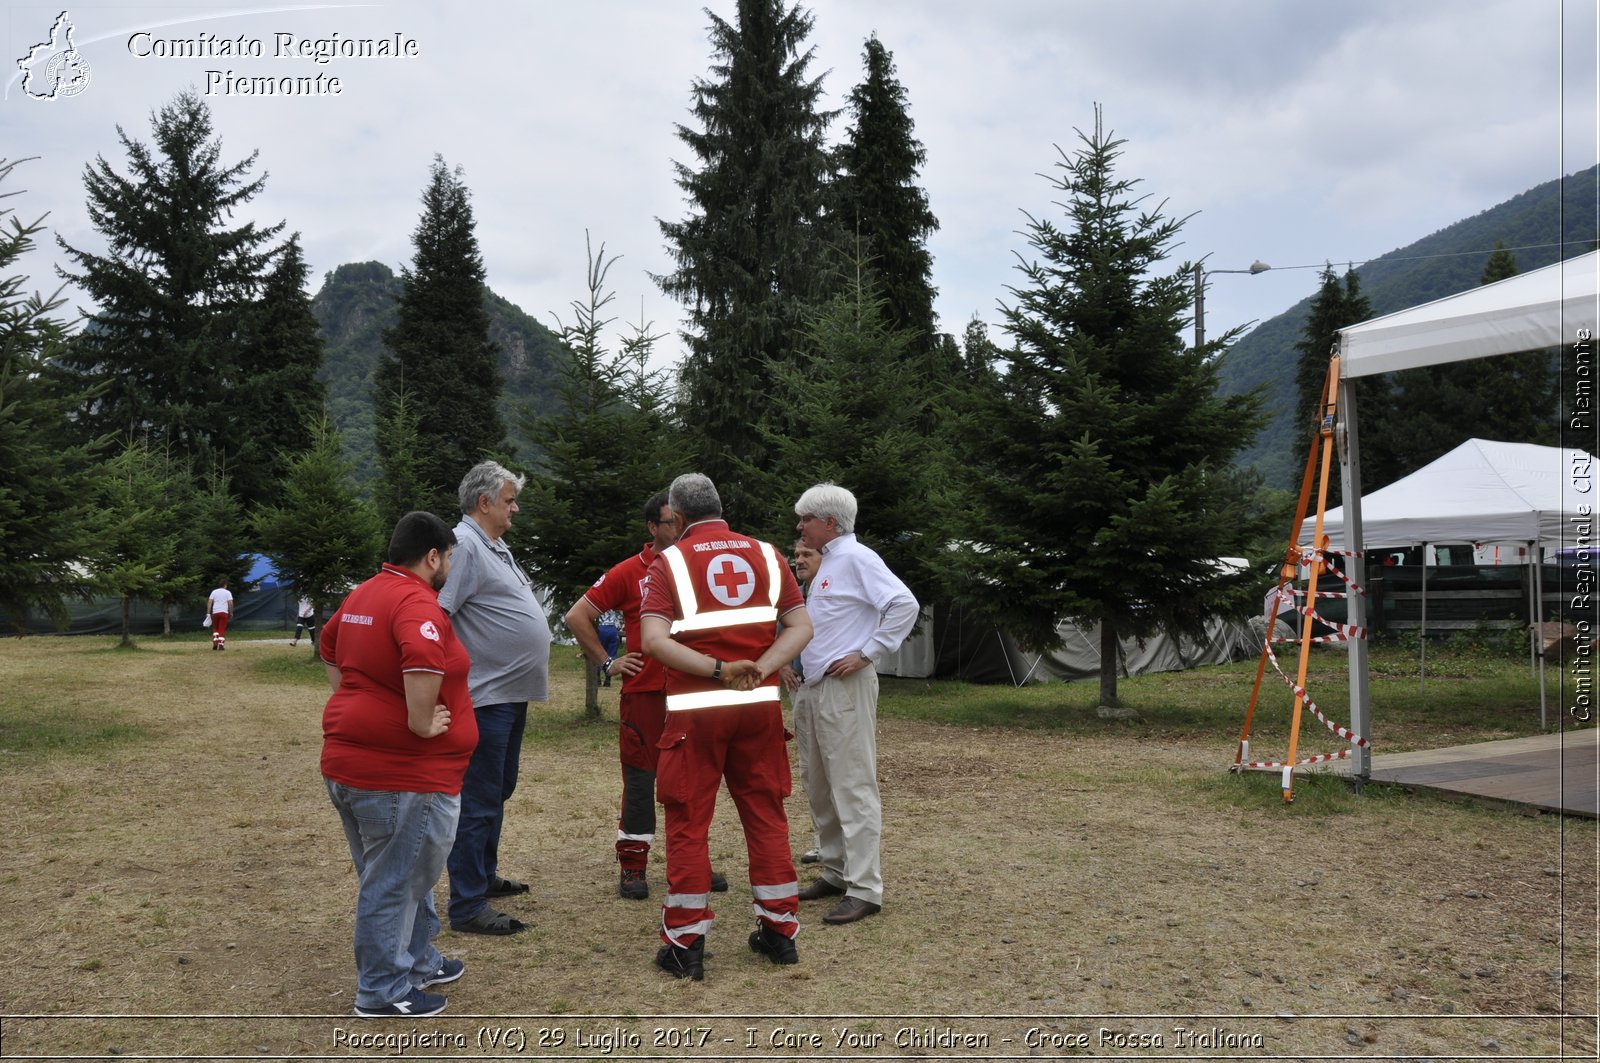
(860, 611)
(306, 621)
(219, 606)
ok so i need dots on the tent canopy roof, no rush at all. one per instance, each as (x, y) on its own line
(1543, 308)
(1482, 491)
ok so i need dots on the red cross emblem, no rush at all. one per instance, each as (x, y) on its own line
(732, 579)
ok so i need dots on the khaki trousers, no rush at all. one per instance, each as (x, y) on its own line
(836, 734)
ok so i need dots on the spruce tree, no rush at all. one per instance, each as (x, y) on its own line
(285, 395)
(1105, 495)
(174, 296)
(1435, 408)
(857, 405)
(608, 448)
(880, 203)
(324, 538)
(134, 552)
(216, 536)
(1338, 304)
(440, 343)
(749, 257)
(402, 481)
(47, 493)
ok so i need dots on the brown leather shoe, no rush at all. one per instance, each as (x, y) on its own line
(850, 910)
(819, 889)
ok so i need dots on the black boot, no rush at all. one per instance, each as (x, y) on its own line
(773, 945)
(684, 963)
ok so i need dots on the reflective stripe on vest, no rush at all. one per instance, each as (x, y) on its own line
(716, 699)
(695, 620)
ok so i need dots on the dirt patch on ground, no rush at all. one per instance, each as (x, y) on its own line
(189, 893)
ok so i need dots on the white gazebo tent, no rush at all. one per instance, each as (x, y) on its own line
(1558, 305)
(1482, 491)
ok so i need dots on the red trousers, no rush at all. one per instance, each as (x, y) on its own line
(643, 714)
(219, 628)
(699, 749)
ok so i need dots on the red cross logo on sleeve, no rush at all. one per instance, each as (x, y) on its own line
(732, 579)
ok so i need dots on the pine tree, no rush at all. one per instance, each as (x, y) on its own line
(1500, 265)
(608, 448)
(749, 257)
(46, 477)
(324, 538)
(215, 543)
(857, 407)
(1105, 496)
(174, 296)
(440, 341)
(402, 481)
(880, 203)
(1337, 305)
(285, 396)
(134, 551)
(1435, 408)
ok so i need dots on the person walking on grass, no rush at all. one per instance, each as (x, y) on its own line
(219, 607)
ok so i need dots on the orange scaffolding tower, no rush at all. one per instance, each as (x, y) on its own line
(1319, 462)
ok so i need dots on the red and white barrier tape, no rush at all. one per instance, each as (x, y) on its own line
(1305, 699)
(1320, 758)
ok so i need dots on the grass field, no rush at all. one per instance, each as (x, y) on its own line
(1057, 883)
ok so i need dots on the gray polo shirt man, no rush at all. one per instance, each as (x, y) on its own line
(497, 618)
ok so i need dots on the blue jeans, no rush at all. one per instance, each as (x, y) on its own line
(490, 782)
(398, 841)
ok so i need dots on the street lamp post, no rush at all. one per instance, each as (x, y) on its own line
(1200, 275)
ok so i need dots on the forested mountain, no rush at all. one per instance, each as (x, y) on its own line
(1551, 221)
(355, 305)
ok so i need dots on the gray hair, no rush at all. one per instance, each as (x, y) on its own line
(829, 500)
(486, 478)
(695, 497)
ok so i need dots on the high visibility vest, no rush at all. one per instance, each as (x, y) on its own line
(728, 598)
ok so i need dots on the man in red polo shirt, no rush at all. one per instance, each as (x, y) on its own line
(396, 738)
(711, 608)
(643, 706)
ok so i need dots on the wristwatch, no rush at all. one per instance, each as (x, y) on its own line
(716, 673)
(606, 668)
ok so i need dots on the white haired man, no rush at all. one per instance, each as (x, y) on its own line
(490, 601)
(859, 611)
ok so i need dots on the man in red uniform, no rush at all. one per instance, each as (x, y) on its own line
(643, 705)
(711, 609)
(397, 735)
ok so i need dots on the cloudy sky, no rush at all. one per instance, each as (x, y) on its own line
(1293, 132)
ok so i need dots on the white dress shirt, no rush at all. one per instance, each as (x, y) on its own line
(856, 604)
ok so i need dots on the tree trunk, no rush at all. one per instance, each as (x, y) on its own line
(1108, 665)
(127, 622)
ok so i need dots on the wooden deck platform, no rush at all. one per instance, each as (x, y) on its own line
(1557, 772)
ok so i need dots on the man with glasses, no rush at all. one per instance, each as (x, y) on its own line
(643, 706)
(491, 603)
